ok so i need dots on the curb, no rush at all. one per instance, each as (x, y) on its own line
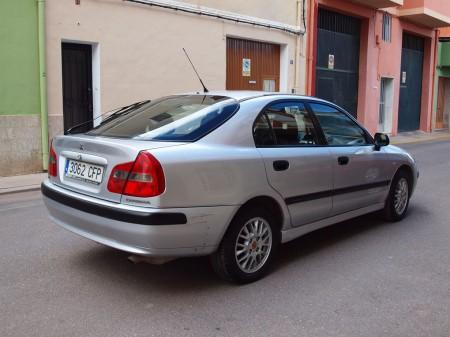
(13, 190)
(418, 141)
(21, 183)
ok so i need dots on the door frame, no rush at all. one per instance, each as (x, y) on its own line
(95, 62)
(388, 105)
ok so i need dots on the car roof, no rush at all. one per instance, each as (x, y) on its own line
(243, 95)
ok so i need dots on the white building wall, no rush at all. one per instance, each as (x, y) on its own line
(138, 53)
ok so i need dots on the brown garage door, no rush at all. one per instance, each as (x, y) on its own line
(252, 65)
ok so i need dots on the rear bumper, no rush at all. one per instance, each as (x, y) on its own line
(113, 212)
(138, 230)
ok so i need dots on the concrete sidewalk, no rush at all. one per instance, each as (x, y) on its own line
(33, 181)
(27, 182)
(419, 137)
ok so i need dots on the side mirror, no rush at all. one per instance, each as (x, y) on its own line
(381, 140)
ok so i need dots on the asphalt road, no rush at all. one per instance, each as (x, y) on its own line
(362, 277)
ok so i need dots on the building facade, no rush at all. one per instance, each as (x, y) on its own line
(106, 54)
(377, 59)
(442, 85)
(20, 90)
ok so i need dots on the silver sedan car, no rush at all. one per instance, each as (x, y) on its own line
(228, 174)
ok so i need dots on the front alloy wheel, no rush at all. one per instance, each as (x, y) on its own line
(401, 196)
(398, 199)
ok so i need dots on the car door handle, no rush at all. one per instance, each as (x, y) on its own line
(280, 165)
(343, 160)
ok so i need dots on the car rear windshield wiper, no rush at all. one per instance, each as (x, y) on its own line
(124, 111)
(120, 112)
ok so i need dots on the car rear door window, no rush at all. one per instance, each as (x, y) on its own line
(285, 124)
(338, 128)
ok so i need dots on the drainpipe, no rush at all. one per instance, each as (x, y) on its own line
(297, 51)
(43, 83)
(434, 81)
(310, 47)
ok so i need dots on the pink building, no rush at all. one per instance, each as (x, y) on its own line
(377, 59)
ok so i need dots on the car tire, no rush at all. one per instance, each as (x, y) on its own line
(248, 247)
(397, 201)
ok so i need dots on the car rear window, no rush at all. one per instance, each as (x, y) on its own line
(175, 118)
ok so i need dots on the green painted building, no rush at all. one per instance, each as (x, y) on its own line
(442, 86)
(21, 87)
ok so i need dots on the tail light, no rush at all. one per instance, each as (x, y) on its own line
(119, 176)
(142, 178)
(52, 163)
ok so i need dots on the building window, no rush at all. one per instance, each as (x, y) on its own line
(387, 27)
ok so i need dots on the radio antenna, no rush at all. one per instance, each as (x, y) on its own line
(205, 90)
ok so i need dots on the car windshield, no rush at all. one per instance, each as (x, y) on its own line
(175, 118)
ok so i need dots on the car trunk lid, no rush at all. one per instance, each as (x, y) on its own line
(97, 156)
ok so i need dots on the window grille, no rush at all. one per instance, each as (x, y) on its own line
(387, 27)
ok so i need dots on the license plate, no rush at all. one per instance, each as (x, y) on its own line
(83, 171)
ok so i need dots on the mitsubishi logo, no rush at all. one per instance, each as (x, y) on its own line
(81, 147)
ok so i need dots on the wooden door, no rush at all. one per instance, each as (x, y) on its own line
(252, 65)
(440, 123)
(77, 85)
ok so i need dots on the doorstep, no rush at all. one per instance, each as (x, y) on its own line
(22, 183)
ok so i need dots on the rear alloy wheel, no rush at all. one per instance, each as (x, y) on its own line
(253, 245)
(247, 248)
(398, 200)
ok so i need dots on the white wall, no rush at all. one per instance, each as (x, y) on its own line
(137, 48)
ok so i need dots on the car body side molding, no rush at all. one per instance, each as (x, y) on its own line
(296, 232)
(330, 193)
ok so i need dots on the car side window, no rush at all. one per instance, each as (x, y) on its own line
(262, 132)
(338, 128)
(285, 124)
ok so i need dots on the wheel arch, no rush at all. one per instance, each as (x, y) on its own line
(409, 172)
(272, 205)
(281, 215)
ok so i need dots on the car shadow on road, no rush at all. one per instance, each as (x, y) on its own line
(189, 274)
(327, 237)
(340, 233)
(181, 275)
